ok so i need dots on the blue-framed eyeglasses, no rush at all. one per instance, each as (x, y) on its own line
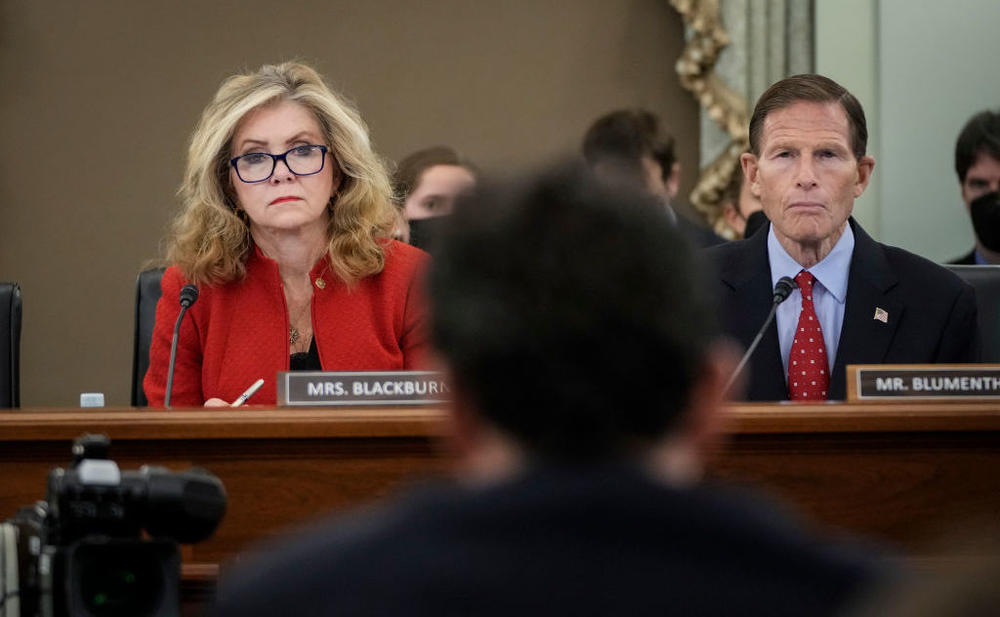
(300, 160)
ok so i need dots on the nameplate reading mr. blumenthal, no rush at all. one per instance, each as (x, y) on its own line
(320, 388)
(926, 381)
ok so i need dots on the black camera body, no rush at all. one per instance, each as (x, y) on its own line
(104, 543)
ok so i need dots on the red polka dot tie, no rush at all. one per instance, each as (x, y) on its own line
(808, 374)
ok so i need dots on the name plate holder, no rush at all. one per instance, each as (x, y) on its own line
(331, 389)
(903, 382)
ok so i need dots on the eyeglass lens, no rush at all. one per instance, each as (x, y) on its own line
(301, 161)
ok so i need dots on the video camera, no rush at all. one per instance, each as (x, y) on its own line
(82, 552)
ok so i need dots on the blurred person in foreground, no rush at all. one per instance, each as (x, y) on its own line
(586, 391)
(957, 577)
(285, 229)
(427, 183)
(857, 301)
(977, 163)
(631, 145)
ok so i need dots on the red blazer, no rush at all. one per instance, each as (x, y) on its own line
(237, 332)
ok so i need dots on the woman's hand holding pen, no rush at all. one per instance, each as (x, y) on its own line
(218, 402)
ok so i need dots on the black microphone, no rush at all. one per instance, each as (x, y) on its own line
(189, 293)
(782, 289)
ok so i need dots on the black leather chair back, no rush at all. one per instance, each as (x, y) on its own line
(10, 345)
(147, 294)
(986, 280)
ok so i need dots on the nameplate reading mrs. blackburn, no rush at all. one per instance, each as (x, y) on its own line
(323, 388)
(923, 381)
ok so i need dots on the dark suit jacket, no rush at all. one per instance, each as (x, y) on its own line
(932, 313)
(584, 542)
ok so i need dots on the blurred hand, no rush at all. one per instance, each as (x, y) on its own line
(216, 402)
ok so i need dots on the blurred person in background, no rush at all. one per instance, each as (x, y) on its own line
(427, 183)
(741, 209)
(632, 145)
(977, 163)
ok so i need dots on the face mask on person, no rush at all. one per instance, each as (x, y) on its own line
(423, 231)
(985, 211)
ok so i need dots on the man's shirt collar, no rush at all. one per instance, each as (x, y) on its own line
(832, 273)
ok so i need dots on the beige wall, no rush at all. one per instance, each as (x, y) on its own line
(98, 99)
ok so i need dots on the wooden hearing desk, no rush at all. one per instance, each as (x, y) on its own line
(899, 473)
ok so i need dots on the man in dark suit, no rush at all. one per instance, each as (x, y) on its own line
(857, 301)
(977, 163)
(631, 144)
(586, 381)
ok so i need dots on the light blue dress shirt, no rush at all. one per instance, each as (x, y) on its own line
(829, 293)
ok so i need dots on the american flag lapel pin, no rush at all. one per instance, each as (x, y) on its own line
(881, 315)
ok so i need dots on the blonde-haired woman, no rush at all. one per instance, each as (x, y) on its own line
(285, 230)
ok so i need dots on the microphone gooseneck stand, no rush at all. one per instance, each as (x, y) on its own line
(188, 295)
(782, 289)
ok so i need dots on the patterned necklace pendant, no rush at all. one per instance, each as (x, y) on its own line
(293, 335)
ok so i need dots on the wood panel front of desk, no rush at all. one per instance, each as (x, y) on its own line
(899, 474)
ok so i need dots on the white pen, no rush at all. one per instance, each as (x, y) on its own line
(250, 392)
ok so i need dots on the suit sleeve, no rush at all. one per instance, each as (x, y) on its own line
(187, 368)
(415, 341)
(961, 341)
